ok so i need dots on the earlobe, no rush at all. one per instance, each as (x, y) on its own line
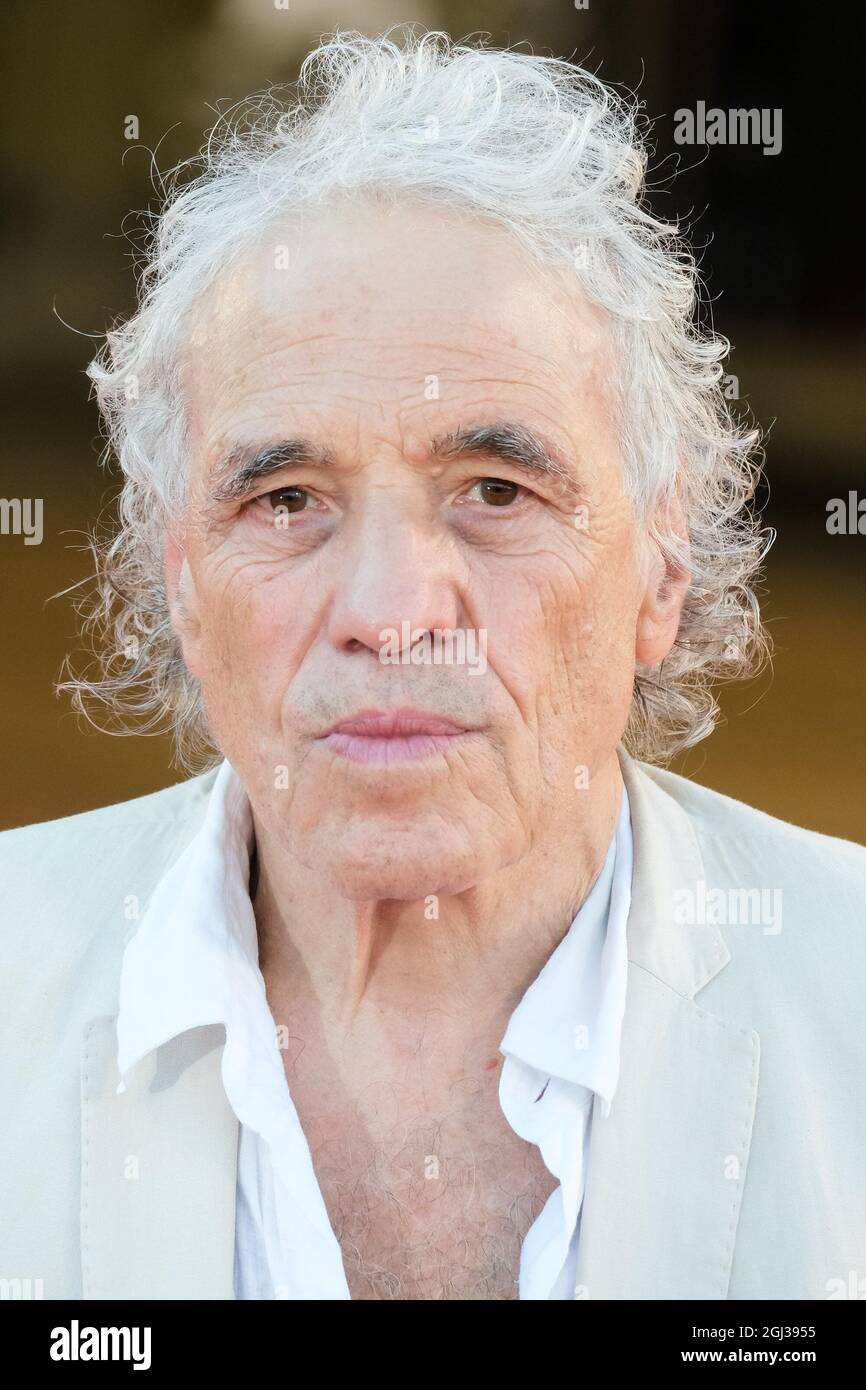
(182, 600)
(658, 619)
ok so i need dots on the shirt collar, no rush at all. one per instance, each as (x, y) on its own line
(194, 958)
(569, 1022)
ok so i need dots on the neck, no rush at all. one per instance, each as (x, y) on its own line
(453, 967)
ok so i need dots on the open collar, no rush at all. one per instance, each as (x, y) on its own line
(666, 1167)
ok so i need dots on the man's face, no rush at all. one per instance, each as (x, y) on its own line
(387, 338)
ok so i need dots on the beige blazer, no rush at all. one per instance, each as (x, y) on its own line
(731, 1165)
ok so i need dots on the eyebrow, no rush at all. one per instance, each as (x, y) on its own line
(245, 465)
(516, 444)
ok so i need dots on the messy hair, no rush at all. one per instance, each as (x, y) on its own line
(543, 148)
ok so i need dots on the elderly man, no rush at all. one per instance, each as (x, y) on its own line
(435, 530)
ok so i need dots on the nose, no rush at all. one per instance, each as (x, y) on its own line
(397, 580)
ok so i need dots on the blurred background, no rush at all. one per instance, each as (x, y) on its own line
(780, 261)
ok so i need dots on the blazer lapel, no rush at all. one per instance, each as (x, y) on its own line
(158, 1171)
(666, 1168)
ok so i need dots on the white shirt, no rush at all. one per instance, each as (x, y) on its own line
(194, 961)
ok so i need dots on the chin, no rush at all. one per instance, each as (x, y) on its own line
(392, 873)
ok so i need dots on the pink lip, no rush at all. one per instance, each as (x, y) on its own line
(389, 736)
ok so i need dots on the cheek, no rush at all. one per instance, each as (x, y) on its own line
(249, 638)
(585, 660)
(561, 646)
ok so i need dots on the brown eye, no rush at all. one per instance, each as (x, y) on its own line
(497, 492)
(288, 499)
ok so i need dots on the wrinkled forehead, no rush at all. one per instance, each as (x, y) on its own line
(378, 303)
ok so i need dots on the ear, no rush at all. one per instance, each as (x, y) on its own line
(182, 601)
(658, 619)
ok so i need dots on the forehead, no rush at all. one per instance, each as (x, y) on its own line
(360, 307)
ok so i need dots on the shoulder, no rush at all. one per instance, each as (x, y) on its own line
(734, 834)
(788, 903)
(156, 808)
(46, 859)
(71, 888)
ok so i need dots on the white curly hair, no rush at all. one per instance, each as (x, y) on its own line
(537, 144)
